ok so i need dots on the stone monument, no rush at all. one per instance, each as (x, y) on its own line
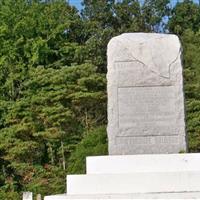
(145, 116)
(145, 94)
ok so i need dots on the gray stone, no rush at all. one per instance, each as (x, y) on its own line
(27, 196)
(145, 94)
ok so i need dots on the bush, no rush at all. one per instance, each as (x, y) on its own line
(10, 195)
(94, 143)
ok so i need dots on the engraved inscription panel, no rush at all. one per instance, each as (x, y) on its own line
(150, 140)
(129, 74)
(146, 111)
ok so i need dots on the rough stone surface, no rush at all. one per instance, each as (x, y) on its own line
(145, 94)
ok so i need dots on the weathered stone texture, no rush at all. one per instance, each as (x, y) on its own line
(145, 94)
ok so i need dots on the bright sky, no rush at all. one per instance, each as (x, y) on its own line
(78, 5)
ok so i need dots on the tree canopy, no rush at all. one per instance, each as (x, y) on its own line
(53, 82)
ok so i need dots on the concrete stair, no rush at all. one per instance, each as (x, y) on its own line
(168, 176)
(144, 182)
(174, 195)
(143, 163)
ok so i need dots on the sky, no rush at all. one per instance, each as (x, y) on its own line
(77, 3)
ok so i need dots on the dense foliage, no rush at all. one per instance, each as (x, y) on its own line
(53, 85)
(187, 26)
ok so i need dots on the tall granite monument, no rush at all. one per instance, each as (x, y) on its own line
(145, 94)
(145, 116)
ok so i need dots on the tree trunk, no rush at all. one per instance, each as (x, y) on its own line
(38, 197)
(63, 156)
(51, 154)
(86, 121)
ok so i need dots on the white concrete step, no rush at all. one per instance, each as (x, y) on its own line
(143, 163)
(180, 195)
(144, 182)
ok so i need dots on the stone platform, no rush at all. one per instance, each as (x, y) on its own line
(182, 195)
(156, 176)
(143, 163)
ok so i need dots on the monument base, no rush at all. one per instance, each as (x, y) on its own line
(182, 195)
(160, 176)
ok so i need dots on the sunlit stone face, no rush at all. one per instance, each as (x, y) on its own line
(145, 94)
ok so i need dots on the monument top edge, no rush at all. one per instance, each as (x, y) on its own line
(140, 37)
(145, 36)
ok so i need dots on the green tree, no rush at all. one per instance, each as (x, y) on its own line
(185, 21)
(43, 126)
(53, 86)
(153, 12)
(48, 97)
(108, 18)
(191, 42)
(94, 143)
(185, 15)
